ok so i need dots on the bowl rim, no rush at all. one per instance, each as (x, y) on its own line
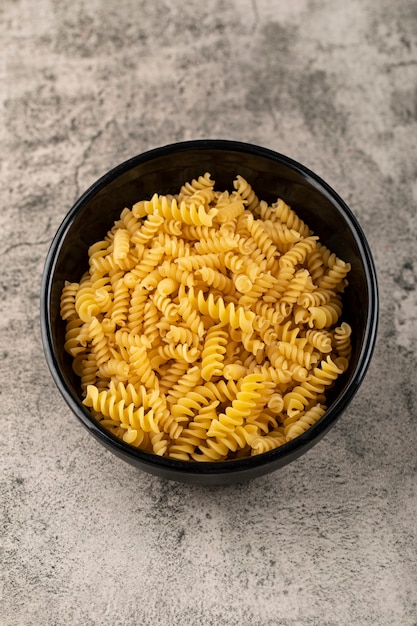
(305, 440)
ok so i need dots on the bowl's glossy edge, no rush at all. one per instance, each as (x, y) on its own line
(224, 471)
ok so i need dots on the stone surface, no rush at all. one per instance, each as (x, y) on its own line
(86, 539)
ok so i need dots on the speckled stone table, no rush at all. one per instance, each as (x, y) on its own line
(87, 540)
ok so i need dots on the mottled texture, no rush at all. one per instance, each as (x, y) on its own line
(86, 539)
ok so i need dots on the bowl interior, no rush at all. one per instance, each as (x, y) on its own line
(164, 170)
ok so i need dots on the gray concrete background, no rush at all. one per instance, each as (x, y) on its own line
(86, 539)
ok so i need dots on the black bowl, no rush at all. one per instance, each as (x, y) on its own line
(164, 170)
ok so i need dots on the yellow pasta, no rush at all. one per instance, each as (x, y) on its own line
(208, 326)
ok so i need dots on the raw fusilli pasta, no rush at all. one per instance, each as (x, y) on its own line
(208, 325)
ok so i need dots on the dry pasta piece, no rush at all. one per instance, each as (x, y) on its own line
(147, 229)
(188, 214)
(217, 310)
(186, 383)
(229, 211)
(121, 244)
(67, 308)
(241, 407)
(208, 325)
(260, 236)
(215, 242)
(217, 280)
(298, 252)
(281, 212)
(334, 275)
(321, 340)
(268, 442)
(302, 356)
(120, 302)
(85, 303)
(321, 377)
(304, 422)
(244, 189)
(326, 315)
(197, 184)
(213, 352)
(342, 341)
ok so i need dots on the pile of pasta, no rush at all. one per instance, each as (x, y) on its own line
(208, 325)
